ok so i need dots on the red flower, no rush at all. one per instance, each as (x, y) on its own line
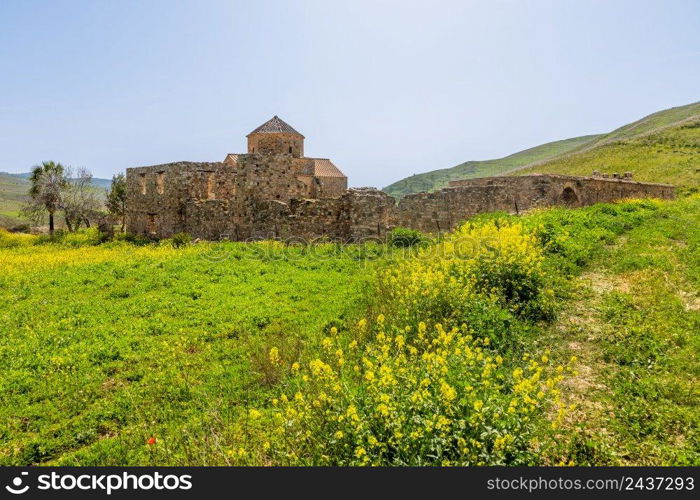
(151, 441)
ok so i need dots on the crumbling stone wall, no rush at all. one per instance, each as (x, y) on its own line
(443, 210)
(270, 196)
(331, 187)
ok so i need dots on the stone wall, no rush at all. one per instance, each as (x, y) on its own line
(276, 143)
(443, 210)
(269, 196)
(331, 187)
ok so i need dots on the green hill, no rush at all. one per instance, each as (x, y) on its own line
(661, 147)
(437, 179)
(13, 193)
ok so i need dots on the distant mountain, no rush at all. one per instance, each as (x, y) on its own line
(577, 155)
(19, 176)
(96, 181)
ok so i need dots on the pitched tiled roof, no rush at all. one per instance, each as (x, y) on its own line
(231, 158)
(323, 167)
(275, 125)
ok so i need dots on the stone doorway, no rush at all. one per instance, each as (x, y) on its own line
(569, 197)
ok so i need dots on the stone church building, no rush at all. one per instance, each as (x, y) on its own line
(274, 191)
(228, 199)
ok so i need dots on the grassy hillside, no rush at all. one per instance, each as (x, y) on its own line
(570, 338)
(661, 147)
(13, 192)
(652, 123)
(668, 154)
(437, 179)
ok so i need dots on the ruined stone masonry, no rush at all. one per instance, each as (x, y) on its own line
(274, 191)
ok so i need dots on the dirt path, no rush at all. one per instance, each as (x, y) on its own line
(579, 327)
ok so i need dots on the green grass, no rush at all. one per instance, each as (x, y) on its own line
(652, 123)
(103, 346)
(13, 193)
(661, 147)
(670, 155)
(634, 322)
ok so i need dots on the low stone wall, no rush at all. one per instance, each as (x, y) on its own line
(259, 198)
(443, 210)
(364, 213)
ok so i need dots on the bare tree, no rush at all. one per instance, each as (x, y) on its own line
(79, 201)
(48, 182)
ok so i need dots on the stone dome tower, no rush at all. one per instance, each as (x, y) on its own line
(276, 137)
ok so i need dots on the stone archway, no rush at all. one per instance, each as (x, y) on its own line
(569, 197)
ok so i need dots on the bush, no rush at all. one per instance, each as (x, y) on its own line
(180, 240)
(382, 397)
(83, 237)
(496, 262)
(405, 238)
(135, 239)
(21, 228)
(13, 240)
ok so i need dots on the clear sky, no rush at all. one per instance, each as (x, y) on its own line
(385, 88)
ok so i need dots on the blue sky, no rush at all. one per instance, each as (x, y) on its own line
(384, 88)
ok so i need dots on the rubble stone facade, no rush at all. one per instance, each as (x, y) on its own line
(273, 191)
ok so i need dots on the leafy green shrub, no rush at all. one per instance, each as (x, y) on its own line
(495, 260)
(180, 240)
(382, 397)
(402, 237)
(13, 240)
(83, 237)
(135, 239)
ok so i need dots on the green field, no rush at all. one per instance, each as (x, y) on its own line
(661, 147)
(13, 193)
(234, 353)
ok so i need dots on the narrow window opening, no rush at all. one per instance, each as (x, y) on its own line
(151, 227)
(160, 187)
(142, 182)
(210, 186)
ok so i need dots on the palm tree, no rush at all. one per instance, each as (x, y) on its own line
(48, 181)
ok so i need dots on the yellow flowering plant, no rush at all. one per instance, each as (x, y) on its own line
(479, 275)
(440, 397)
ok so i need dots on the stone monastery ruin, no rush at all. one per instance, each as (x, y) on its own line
(274, 191)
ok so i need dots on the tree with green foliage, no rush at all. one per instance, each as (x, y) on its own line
(116, 198)
(48, 181)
